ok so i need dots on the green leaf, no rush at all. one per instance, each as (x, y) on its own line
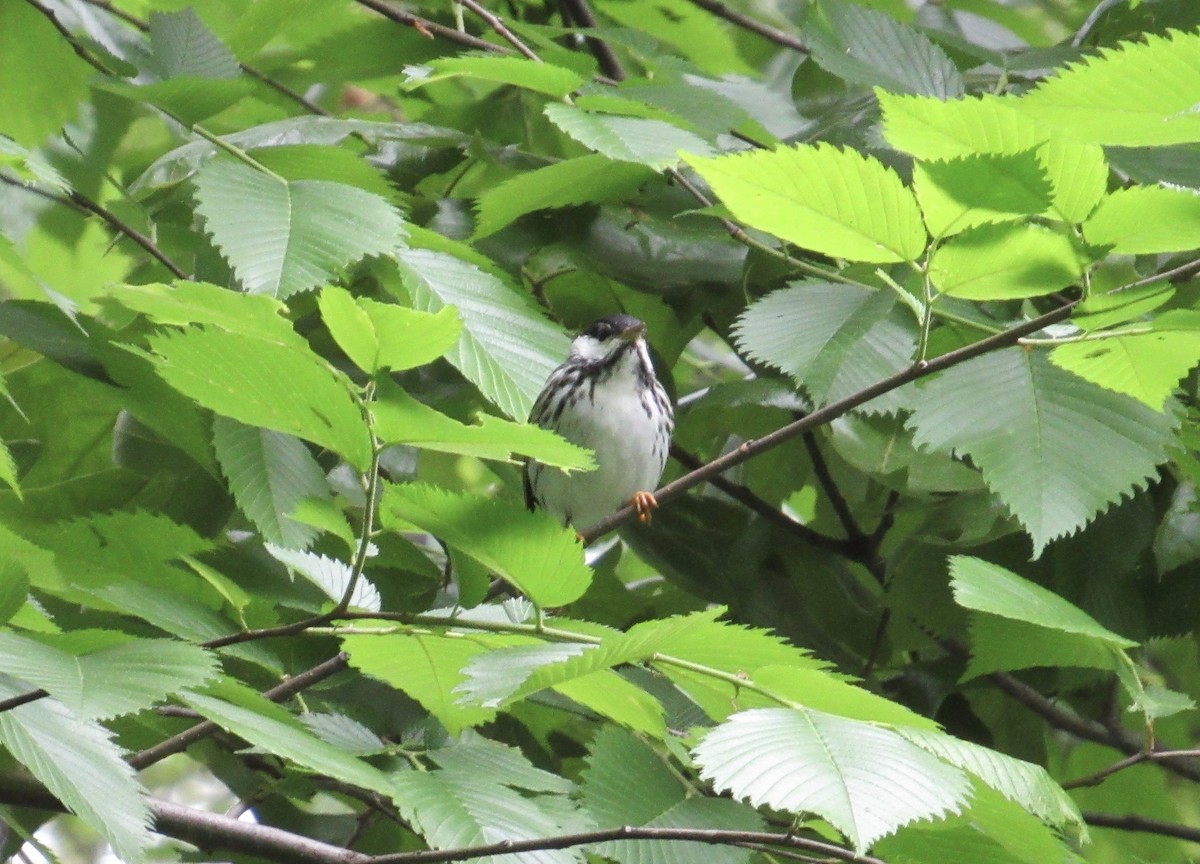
(386, 336)
(985, 587)
(426, 666)
(1018, 624)
(317, 162)
(119, 679)
(702, 38)
(493, 762)
(330, 575)
(961, 193)
(14, 589)
(584, 180)
(1004, 262)
(539, 77)
(191, 100)
(39, 69)
(1146, 219)
(8, 470)
(1146, 366)
(269, 474)
(652, 143)
(837, 202)
(451, 811)
(864, 780)
(825, 691)
(81, 766)
(866, 46)
(268, 726)
(993, 831)
(1079, 174)
(627, 782)
(507, 348)
(505, 676)
(186, 303)
(265, 384)
(401, 419)
(933, 129)
(530, 550)
(1002, 644)
(181, 46)
(181, 163)
(1138, 94)
(281, 237)
(1056, 449)
(832, 339)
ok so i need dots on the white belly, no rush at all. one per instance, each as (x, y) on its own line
(622, 435)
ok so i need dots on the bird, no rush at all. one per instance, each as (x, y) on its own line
(606, 397)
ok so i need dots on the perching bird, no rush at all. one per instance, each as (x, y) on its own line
(607, 398)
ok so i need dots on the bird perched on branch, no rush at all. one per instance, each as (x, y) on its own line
(605, 397)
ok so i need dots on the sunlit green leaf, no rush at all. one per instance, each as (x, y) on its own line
(864, 780)
(837, 202)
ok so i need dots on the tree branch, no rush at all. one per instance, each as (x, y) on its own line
(498, 25)
(774, 34)
(279, 693)
(579, 14)
(628, 832)
(431, 28)
(77, 201)
(1080, 727)
(837, 500)
(1131, 822)
(765, 509)
(749, 449)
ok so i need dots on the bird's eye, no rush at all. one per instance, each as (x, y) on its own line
(603, 332)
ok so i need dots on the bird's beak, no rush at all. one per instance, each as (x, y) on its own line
(633, 333)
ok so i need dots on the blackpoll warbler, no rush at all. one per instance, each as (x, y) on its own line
(604, 397)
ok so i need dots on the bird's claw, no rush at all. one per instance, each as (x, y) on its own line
(643, 503)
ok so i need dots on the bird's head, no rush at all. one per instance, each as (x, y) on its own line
(605, 339)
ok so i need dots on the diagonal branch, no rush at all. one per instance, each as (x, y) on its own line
(774, 34)
(765, 509)
(279, 693)
(821, 416)
(498, 25)
(430, 28)
(80, 202)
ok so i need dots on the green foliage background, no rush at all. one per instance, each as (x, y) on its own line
(280, 281)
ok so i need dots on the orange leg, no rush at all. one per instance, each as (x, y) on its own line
(643, 503)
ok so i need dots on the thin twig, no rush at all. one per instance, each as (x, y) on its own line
(579, 14)
(22, 699)
(1069, 721)
(837, 500)
(1097, 777)
(78, 201)
(1092, 20)
(430, 28)
(496, 23)
(82, 53)
(1131, 822)
(774, 515)
(368, 527)
(774, 34)
(279, 693)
